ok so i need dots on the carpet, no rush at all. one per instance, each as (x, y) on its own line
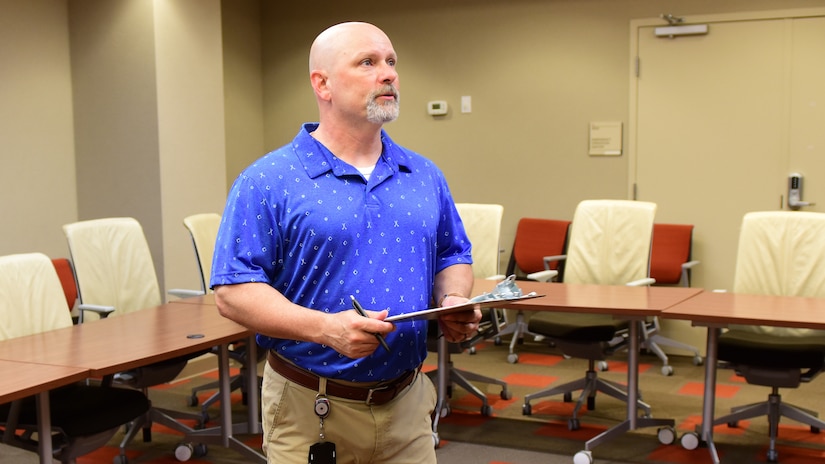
(468, 437)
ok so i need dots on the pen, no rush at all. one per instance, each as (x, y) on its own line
(360, 310)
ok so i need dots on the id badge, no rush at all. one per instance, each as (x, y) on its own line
(322, 453)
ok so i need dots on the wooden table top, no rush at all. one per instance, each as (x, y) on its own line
(19, 380)
(619, 300)
(208, 299)
(124, 342)
(731, 308)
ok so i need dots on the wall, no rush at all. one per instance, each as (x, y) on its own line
(37, 169)
(538, 73)
(80, 135)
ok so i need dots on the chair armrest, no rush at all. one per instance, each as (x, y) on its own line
(689, 264)
(102, 311)
(553, 259)
(543, 276)
(184, 292)
(647, 281)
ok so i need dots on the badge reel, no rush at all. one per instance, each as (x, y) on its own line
(322, 452)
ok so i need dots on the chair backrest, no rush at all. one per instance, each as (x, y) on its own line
(113, 264)
(672, 244)
(610, 242)
(781, 253)
(203, 228)
(535, 239)
(482, 222)
(65, 273)
(31, 297)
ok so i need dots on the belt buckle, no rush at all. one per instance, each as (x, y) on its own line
(368, 401)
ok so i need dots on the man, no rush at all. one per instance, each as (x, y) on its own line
(343, 211)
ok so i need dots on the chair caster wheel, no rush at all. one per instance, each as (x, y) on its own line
(690, 441)
(667, 371)
(186, 451)
(526, 409)
(497, 341)
(120, 459)
(445, 411)
(697, 360)
(436, 440)
(486, 410)
(814, 429)
(602, 366)
(512, 358)
(666, 435)
(773, 456)
(506, 394)
(733, 425)
(583, 457)
(567, 397)
(472, 350)
(192, 401)
(573, 424)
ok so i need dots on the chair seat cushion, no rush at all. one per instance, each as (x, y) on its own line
(576, 326)
(764, 350)
(84, 410)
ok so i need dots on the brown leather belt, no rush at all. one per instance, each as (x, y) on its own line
(378, 394)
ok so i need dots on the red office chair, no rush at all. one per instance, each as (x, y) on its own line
(670, 264)
(538, 245)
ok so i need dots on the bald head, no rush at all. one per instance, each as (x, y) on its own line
(339, 41)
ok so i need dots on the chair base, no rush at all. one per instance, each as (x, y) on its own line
(589, 385)
(653, 339)
(774, 409)
(518, 329)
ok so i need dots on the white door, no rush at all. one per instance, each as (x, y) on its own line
(718, 122)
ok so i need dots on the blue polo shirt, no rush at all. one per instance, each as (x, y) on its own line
(312, 227)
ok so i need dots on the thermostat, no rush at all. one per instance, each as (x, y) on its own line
(437, 107)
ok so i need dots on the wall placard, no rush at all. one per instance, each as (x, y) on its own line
(606, 138)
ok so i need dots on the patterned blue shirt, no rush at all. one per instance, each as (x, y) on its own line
(312, 227)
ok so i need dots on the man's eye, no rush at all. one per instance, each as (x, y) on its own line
(367, 62)
(391, 62)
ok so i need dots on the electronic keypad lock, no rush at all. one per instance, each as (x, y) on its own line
(795, 192)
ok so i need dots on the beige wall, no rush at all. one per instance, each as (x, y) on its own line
(138, 109)
(37, 168)
(537, 71)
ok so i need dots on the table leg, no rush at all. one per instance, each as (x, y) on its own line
(633, 421)
(224, 433)
(709, 400)
(44, 427)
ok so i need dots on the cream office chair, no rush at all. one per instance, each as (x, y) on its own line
(203, 229)
(83, 417)
(114, 269)
(482, 223)
(780, 253)
(609, 244)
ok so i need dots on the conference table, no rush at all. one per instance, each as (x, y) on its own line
(635, 304)
(21, 380)
(716, 310)
(115, 344)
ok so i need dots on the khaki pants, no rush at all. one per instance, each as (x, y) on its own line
(398, 432)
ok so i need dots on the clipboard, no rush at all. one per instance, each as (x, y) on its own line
(435, 313)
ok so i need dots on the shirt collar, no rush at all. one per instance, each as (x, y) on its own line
(318, 160)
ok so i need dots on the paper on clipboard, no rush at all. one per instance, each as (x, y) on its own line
(435, 313)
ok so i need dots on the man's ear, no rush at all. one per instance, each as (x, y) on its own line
(320, 84)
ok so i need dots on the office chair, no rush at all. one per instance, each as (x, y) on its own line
(670, 264)
(780, 253)
(114, 268)
(482, 223)
(537, 248)
(609, 244)
(84, 417)
(203, 229)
